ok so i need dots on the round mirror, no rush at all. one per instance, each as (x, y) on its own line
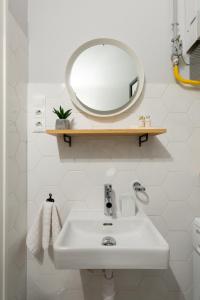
(104, 77)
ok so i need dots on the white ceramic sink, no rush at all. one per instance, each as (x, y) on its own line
(139, 245)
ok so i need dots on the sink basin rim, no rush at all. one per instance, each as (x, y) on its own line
(63, 253)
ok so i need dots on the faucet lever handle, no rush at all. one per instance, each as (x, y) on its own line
(108, 187)
(108, 190)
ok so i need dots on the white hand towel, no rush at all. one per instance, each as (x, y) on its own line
(34, 237)
(56, 223)
(46, 225)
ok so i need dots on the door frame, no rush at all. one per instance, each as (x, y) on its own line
(3, 13)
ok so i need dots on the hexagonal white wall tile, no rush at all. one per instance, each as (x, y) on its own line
(12, 70)
(177, 99)
(194, 201)
(13, 175)
(13, 208)
(180, 156)
(180, 245)
(178, 185)
(160, 224)
(47, 144)
(100, 173)
(21, 91)
(13, 103)
(157, 201)
(178, 126)
(21, 156)
(97, 193)
(178, 215)
(151, 172)
(155, 90)
(22, 188)
(13, 141)
(155, 148)
(49, 171)
(66, 206)
(22, 130)
(34, 155)
(75, 185)
(154, 108)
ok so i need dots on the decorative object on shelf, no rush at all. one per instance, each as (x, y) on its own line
(148, 121)
(62, 122)
(141, 121)
(142, 133)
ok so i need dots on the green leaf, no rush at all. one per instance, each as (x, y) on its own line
(67, 113)
(61, 113)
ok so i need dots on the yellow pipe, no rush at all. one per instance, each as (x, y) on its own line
(180, 79)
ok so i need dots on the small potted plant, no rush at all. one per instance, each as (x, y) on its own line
(62, 122)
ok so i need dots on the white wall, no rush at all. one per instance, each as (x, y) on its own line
(57, 28)
(16, 162)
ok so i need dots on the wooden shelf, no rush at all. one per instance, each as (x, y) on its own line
(104, 132)
(142, 133)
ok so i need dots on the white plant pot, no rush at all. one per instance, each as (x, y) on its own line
(62, 124)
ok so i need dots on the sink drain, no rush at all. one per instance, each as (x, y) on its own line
(109, 241)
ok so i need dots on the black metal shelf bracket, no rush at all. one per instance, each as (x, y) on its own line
(143, 138)
(67, 139)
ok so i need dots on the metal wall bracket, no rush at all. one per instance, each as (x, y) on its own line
(143, 138)
(67, 139)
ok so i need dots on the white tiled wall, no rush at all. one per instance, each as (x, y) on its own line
(16, 160)
(168, 165)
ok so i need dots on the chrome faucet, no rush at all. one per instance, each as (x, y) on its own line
(108, 203)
